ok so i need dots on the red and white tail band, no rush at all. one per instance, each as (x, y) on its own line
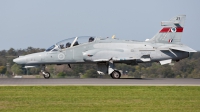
(171, 29)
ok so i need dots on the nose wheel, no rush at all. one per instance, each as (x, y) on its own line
(46, 75)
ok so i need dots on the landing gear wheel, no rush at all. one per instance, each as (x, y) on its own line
(115, 74)
(46, 75)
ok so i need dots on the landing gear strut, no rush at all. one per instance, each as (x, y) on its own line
(46, 75)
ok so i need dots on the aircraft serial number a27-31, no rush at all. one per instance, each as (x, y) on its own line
(164, 48)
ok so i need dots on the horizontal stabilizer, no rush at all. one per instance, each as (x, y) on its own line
(183, 48)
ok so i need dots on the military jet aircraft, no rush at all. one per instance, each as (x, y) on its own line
(164, 48)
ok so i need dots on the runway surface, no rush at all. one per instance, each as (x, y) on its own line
(104, 82)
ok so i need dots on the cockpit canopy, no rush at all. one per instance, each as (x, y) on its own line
(70, 42)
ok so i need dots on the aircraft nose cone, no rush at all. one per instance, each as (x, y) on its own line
(16, 60)
(19, 60)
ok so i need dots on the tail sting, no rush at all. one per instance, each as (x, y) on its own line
(171, 32)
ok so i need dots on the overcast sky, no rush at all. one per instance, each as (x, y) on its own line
(42, 23)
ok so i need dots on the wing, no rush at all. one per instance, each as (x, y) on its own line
(102, 55)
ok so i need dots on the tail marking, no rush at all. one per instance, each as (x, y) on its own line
(171, 29)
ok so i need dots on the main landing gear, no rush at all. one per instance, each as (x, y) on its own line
(115, 74)
(108, 68)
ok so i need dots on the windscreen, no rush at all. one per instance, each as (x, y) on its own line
(50, 48)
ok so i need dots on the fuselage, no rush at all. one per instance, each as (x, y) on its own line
(100, 50)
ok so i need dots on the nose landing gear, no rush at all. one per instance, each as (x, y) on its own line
(46, 75)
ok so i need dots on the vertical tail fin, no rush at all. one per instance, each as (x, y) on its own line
(171, 32)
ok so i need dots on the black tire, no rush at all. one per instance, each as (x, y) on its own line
(47, 75)
(115, 74)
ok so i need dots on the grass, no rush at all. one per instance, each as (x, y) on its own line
(99, 98)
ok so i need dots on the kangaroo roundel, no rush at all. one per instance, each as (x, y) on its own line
(61, 56)
(173, 29)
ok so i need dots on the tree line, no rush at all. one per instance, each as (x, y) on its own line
(186, 68)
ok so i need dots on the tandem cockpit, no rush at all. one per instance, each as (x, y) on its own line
(71, 42)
